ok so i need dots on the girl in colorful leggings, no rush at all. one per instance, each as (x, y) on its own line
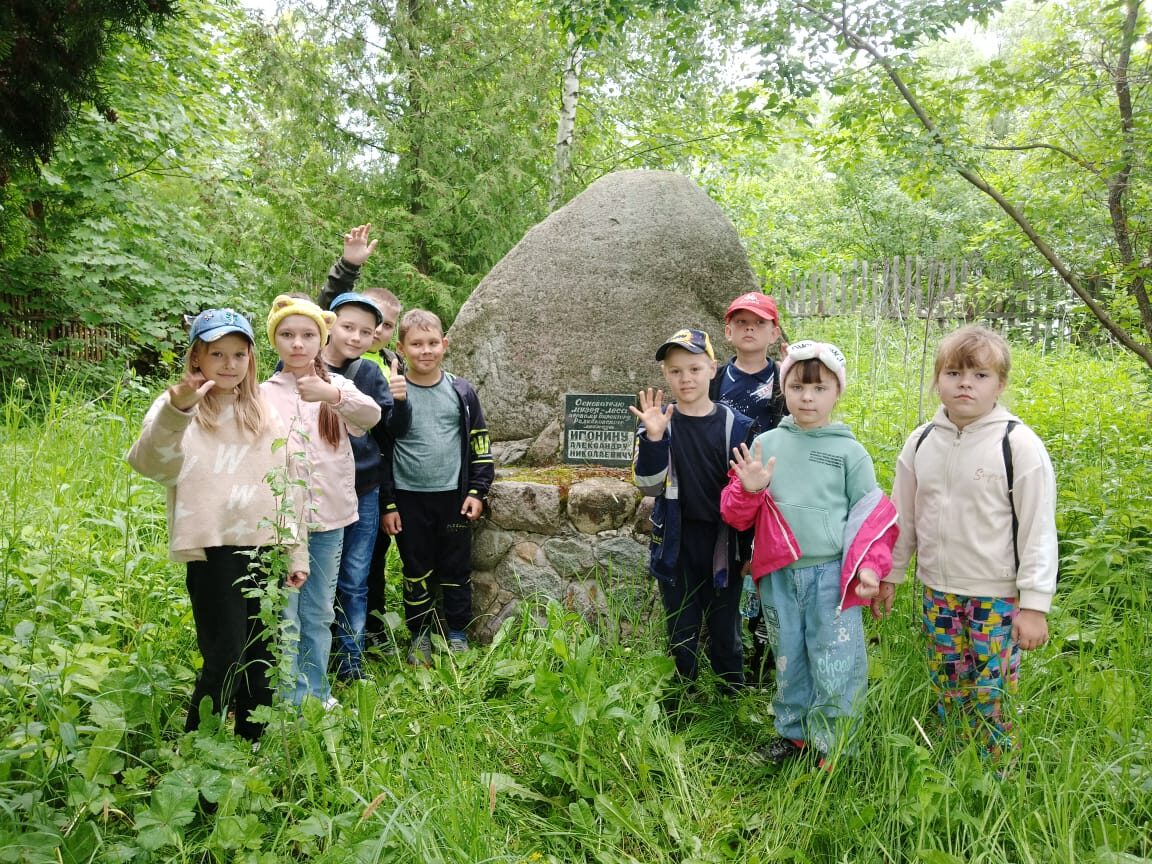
(976, 497)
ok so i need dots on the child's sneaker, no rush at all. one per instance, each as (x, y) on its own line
(780, 750)
(457, 641)
(420, 654)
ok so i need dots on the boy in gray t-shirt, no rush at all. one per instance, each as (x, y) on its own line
(442, 469)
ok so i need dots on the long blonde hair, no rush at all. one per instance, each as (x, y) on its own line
(250, 412)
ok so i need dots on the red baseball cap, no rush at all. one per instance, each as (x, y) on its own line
(754, 301)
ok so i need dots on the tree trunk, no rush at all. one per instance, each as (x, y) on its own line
(566, 123)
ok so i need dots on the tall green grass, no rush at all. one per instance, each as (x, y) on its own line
(552, 745)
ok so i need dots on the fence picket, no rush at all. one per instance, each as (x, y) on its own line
(948, 292)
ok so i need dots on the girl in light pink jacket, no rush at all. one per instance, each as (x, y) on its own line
(322, 409)
(209, 440)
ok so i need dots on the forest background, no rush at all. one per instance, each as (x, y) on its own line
(214, 154)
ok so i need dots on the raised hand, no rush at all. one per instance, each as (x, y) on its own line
(313, 388)
(652, 414)
(397, 383)
(357, 249)
(189, 390)
(749, 467)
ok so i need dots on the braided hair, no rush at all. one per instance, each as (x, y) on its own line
(331, 429)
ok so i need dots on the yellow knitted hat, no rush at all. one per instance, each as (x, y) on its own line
(284, 305)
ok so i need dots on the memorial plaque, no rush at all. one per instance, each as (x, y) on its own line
(599, 429)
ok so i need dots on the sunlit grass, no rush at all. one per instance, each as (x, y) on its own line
(552, 744)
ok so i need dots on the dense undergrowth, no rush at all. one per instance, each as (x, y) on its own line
(551, 745)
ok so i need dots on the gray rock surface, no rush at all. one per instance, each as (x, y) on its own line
(489, 545)
(571, 557)
(601, 503)
(581, 303)
(528, 575)
(622, 557)
(521, 506)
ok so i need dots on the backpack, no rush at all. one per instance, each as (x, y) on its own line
(1006, 450)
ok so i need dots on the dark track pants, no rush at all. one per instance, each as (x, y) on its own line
(692, 599)
(435, 546)
(374, 627)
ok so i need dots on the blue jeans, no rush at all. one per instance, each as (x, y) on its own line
(310, 615)
(352, 585)
(821, 664)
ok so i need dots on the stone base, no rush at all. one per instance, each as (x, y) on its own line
(584, 545)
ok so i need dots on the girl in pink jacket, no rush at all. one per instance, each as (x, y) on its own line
(823, 538)
(321, 410)
(210, 440)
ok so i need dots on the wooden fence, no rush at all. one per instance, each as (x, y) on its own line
(25, 322)
(948, 292)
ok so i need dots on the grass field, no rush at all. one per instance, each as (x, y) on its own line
(551, 746)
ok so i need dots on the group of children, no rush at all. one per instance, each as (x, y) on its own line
(364, 451)
(766, 507)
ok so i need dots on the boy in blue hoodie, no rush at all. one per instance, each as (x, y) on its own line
(353, 333)
(682, 460)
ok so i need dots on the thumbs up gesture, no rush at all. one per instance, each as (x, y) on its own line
(397, 383)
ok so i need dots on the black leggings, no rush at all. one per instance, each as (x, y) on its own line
(233, 641)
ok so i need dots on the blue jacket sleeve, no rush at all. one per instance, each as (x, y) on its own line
(650, 470)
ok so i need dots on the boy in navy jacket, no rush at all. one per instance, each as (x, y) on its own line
(682, 459)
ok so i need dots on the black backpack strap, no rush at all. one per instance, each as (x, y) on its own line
(353, 368)
(1009, 475)
(927, 431)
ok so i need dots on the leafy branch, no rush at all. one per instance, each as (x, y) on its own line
(1118, 184)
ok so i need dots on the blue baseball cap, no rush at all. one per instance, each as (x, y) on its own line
(360, 300)
(213, 324)
(692, 341)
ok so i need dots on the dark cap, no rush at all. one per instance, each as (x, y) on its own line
(692, 341)
(360, 300)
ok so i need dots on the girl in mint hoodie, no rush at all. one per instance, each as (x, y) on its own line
(823, 540)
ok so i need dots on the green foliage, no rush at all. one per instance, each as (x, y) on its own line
(50, 57)
(1065, 162)
(552, 745)
(112, 238)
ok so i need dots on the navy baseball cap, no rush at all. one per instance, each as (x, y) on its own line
(693, 341)
(213, 324)
(360, 300)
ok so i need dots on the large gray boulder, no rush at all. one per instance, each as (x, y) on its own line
(583, 301)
